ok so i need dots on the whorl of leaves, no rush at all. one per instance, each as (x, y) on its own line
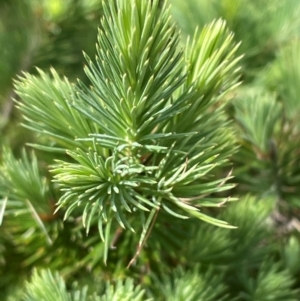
(149, 132)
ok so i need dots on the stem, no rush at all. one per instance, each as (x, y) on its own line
(140, 246)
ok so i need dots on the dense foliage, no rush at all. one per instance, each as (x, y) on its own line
(162, 164)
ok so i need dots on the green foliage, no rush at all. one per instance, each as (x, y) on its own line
(143, 154)
(234, 248)
(269, 139)
(263, 26)
(48, 286)
(194, 286)
(16, 40)
(258, 116)
(131, 158)
(123, 291)
(291, 253)
(44, 34)
(271, 284)
(283, 75)
(66, 27)
(21, 180)
(46, 108)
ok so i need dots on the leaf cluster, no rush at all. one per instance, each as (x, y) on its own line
(141, 136)
(129, 158)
